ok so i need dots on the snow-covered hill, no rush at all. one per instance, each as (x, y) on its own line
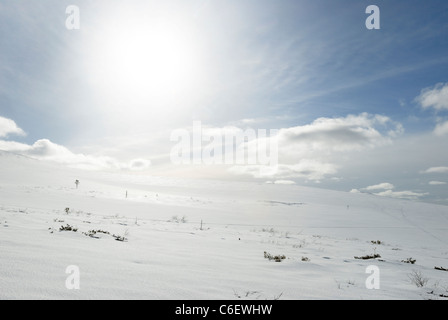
(205, 239)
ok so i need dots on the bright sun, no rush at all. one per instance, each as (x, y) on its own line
(145, 61)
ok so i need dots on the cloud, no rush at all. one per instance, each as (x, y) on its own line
(8, 127)
(436, 183)
(322, 137)
(435, 97)
(381, 186)
(287, 182)
(13, 146)
(409, 195)
(353, 132)
(308, 169)
(388, 191)
(436, 170)
(314, 151)
(139, 164)
(44, 149)
(441, 129)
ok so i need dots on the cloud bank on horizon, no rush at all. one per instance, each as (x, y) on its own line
(44, 149)
(354, 109)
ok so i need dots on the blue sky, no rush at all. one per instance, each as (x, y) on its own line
(110, 93)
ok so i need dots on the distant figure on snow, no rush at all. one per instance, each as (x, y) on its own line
(77, 183)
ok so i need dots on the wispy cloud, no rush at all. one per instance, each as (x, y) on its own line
(139, 164)
(436, 170)
(381, 186)
(436, 183)
(308, 169)
(287, 182)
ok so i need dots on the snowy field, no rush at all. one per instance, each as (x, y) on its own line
(182, 239)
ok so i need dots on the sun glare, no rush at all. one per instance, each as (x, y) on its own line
(145, 60)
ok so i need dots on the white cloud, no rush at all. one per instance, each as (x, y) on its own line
(436, 170)
(409, 195)
(8, 127)
(308, 169)
(435, 97)
(314, 151)
(441, 129)
(316, 144)
(139, 164)
(287, 182)
(12, 146)
(44, 149)
(381, 186)
(284, 182)
(311, 151)
(353, 132)
(436, 183)
(388, 191)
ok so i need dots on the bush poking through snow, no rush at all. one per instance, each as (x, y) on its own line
(302, 244)
(178, 220)
(366, 257)
(278, 297)
(418, 279)
(305, 259)
(409, 260)
(440, 268)
(277, 258)
(68, 228)
(92, 233)
(121, 238)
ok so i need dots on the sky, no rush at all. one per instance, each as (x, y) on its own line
(109, 85)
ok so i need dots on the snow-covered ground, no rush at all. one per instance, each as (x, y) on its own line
(168, 254)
